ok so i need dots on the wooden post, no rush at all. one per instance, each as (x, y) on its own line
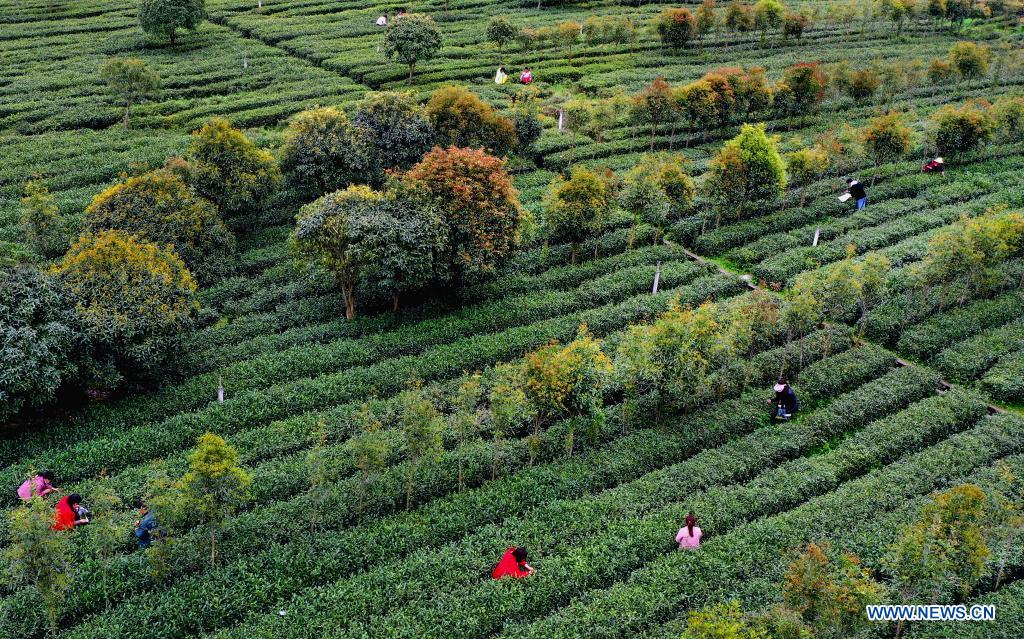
(220, 390)
(657, 278)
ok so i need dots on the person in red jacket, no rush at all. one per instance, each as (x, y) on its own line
(513, 564)
(67, 516)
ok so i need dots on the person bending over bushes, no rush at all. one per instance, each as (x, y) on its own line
(784, 404)
(513, 564)
(689, 536)
(39, 486)
(70, 513)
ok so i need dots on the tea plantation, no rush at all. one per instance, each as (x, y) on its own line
(349, 333)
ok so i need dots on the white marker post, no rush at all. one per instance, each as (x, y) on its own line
(220, 390)
(817, 233)
(657, 278)
(560, 115)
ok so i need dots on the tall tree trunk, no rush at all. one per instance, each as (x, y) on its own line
(572, 252)
(350, 304)
(412, 65)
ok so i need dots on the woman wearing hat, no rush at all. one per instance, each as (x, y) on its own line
(784, 404)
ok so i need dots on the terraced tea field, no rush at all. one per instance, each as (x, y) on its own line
(921, 393)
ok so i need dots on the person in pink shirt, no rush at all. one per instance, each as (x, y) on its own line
(689, 536)
(39, 486)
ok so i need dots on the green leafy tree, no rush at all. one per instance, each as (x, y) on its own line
(959, 130)
(1009, 117)
(158, 207)
(794, 24)
(567, 35)
(887, 138)
(501, 31)
(747, 172)
(460, 118)
(739, 17)
(510, 409)
(466, 417)
(130, 81)
(970, 59)
(699, 101)
(43, 339)
(676, 27)
(654, 105)
(322, 473)
(412, 39)
(801, 311)
(862, 84)
(323, 152)
(967, 255)
(566, 381)
(830, 593)
(473, 193)
(576, 209)
(807, 82)
(215, 486)
(39, 557)
(806, 165)
(229, 170)
(41, 222)
(370, 449)
(163, 18)
(106, 531)
(768, 14)
(897, 12)
(136, 300)
(393, 130)
(655, 189)
(422, 426)
(706, 18)
(749, 88)
(944, 552)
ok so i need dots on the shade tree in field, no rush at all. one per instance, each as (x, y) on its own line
(163, 18)
(862, 84)
(577, 208)
(214, 488)
(473, 193)
(388, 241)
(746, 173)
(801, 89)
(706, 19)
(656, 189)
(851, 287)
(107, 531)
(414, 38)
(421, 425)
(960, 130)
(158, 207)
(970, 59)
(829, 591)
(228, 169)
(322, 152)
(964, 259)
(654, 105)
(897, 12)
(369, 448)
(676, 27)
(1009, 116)
(887, 138)
(460, 118)
(794, 24)
(739, 17)
(501, 32)
(43, 339)
(943, 553)
(566, 381)
(805, 166)
(466, 417)
(44, 228)
(135, 299)
(392, 130)
(768, 15)
(39, 557)
(509, 407)
(130, 82)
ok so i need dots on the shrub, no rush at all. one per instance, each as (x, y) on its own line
(158, 207)
(412, 39)
(163, 18)
(958, 130)
(1005, 380)
(474, 194)
(747, 172)
(862, 84)
(41, 221)
(135, 299)
(576, 209)
(396, 130)
(460, 118)
(229, 170)
(321, 153)
(970, 58)
(42, 336)
(676, 27)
